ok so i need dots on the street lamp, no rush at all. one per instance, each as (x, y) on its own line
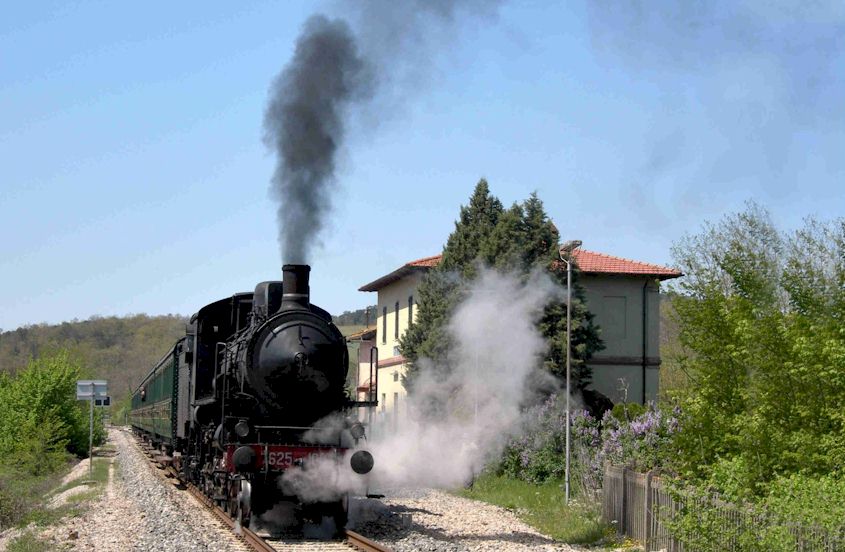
(566, 250)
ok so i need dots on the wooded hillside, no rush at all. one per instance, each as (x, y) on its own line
(118, 349)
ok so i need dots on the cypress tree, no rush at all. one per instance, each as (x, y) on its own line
(519, 239)
(440, 290)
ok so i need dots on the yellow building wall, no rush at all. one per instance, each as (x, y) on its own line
(391, 393)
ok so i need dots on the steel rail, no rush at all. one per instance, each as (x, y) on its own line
(250, 538)
(363, 543)
(244, 534)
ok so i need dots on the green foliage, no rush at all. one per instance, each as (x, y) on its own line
(120, 409)
(28, 542)
(357, 317)
(760, 317)
(520, 239)
(441, 289)
(798, 513)
(673, 379)
(118, 349)
(543, 507)
(627, 412)
(40, 418)
(20, 495)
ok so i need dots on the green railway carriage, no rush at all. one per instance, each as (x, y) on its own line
(154, 402)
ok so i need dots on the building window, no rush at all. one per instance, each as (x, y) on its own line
(384, 325)
(396, 324)
(383, 401)
(395, 375)
(410, 310)
(395, 409)
(396, 351)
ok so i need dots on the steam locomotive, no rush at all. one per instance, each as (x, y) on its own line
(233, 405)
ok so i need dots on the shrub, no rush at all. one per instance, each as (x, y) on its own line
(537, 454)
(40, 419)
(631, 435)
(642, 442)
(798, 513)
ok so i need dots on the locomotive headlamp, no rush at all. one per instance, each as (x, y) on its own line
(362, 462)
(242, 428)
(244, 459)
(357, 430)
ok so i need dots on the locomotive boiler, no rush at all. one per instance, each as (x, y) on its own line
(255, 389)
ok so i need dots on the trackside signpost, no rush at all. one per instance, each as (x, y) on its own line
(91, 391)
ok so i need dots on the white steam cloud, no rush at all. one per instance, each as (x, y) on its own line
(495, 367)
(495, 364)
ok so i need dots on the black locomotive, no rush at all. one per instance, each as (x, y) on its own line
(234, 403)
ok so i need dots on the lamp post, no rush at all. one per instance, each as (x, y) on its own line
(565, 253)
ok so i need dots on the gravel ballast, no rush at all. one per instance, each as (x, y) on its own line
(427, 519)
(140, 511)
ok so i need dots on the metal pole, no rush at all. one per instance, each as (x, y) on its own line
(568, 347)
(91, 435)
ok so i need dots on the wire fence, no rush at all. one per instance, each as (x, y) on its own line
(641, 507)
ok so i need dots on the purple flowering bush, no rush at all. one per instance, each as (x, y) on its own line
(537, 454)
(642, 443)
(639, 438)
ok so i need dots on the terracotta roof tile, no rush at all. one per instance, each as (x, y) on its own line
(589, 262)
(427, 262)
(602, 263)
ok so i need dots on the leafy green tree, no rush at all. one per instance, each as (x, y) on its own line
(760, 322)
(40, 418)
(519, 239)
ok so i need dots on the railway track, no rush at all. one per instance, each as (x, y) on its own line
(251, 539)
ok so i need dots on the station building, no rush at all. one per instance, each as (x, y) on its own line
(623, 294)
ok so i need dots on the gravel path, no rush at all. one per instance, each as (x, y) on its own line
(140, 512)
(410, 520)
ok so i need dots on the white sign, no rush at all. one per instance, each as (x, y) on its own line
(91, 389)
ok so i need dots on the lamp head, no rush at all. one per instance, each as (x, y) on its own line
(568, 247)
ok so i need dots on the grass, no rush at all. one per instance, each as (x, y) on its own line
(99, 475)
(41, 515)
(543, 507)
(17, 491)
(28, 542)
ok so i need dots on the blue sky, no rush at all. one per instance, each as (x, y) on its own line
(133, 177)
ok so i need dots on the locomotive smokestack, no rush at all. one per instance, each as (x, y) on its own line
(295, 290)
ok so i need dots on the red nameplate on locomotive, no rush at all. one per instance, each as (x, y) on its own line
(282, 457)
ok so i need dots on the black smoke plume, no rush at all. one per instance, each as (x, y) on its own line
(305, 123)
(333, 70)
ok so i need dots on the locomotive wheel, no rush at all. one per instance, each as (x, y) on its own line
(243, 503)
(340, 514)
(237, 504)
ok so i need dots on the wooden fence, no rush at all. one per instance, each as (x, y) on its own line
(640, 507)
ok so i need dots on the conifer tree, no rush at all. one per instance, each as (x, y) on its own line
(440, 291)
(519, 239)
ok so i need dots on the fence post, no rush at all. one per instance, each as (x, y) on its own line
(622, 525)
(649, 501)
